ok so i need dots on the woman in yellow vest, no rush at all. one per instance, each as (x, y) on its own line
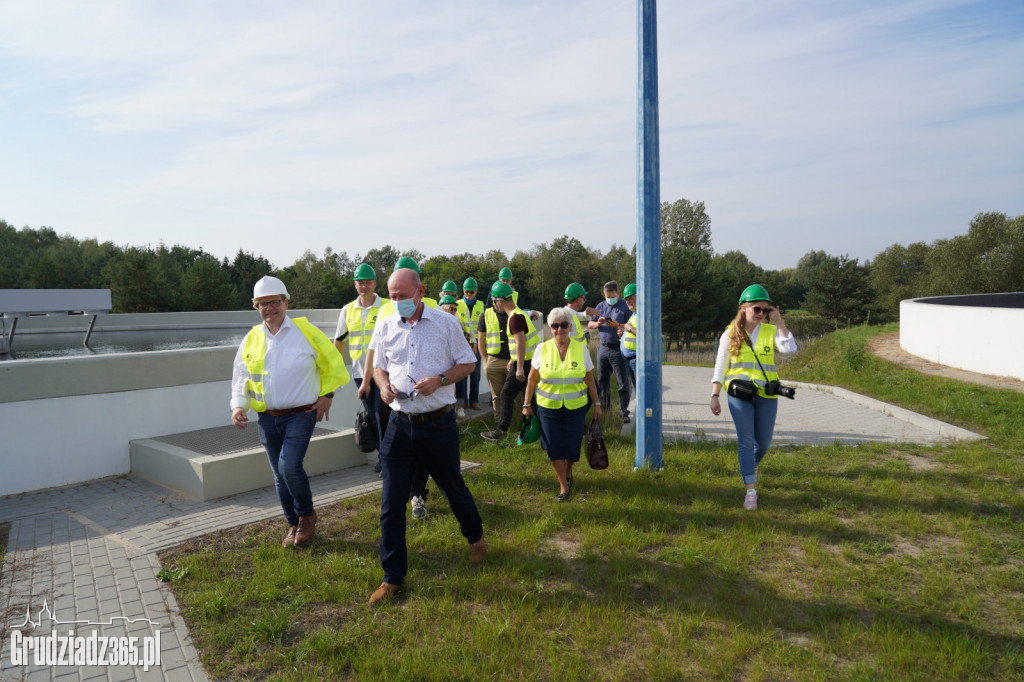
(747, 351)
(561, 378)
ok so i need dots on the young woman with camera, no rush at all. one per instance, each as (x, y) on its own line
(745, 367)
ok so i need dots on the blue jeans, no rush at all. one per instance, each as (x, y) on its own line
(609, 360)
(286, 439)
(472, 382)
(434, 445)
(631, 361)
(755, 423)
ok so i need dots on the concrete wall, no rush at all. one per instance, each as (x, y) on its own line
(966, 332)
(67, 420)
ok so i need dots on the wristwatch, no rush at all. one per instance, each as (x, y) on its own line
(444, 380)
(329, 395)
(714, 395)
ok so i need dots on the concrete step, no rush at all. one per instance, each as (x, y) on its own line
(212, 463)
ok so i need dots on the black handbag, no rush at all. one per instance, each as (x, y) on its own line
(366, 434)
(597, 451)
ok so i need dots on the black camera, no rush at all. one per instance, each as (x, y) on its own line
(775, 388)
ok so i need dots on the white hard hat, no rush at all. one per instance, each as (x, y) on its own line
(269, 286)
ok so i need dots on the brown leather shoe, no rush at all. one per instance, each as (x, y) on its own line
(477, 551)
(289, 539)
(304, 533)
(384, 593)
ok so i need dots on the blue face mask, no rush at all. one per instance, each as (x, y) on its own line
(406, 308)
(611, 301)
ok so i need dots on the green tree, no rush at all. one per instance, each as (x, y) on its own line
(898, 273)
(685, 224)
(988, 259)
(840, 291)
(207, 286)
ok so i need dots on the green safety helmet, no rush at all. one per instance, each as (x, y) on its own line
(364, 271)
(630, 290)
(469, 284)
(500, 290)
(574, 291)
(407, 262)
(449, 288)
(446, 299)
(505, 274)
(755, 292)
(530, 433)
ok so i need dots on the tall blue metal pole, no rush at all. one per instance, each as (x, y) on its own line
(648, 242)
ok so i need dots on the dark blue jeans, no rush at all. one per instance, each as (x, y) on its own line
(286, 439)
(472, 382)
(609, 360)
(434, 445)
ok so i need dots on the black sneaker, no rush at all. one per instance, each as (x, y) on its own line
(625, 417)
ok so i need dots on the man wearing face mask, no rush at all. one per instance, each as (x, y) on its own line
(421, 353)
(613, 313)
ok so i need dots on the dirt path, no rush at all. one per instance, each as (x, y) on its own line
(887, 347)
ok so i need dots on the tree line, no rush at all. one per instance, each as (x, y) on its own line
(699, 288)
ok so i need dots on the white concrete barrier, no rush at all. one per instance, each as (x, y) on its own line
(976, 333)
(68, 420)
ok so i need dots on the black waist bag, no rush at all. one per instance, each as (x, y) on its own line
(742, 389)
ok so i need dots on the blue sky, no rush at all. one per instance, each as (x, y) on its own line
(449, 126)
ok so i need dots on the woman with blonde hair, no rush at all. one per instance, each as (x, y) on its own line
(561, 378)
(746, 355)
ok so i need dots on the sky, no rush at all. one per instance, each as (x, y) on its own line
(452, 126)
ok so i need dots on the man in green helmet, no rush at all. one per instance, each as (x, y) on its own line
(580, 314)
(355, 327)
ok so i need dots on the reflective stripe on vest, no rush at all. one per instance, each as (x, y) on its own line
(629, 338)
(562, 382)
(333, 373)
(745, 366)
(492, 335)
(472, 315)
(359, 333)
(532, 338)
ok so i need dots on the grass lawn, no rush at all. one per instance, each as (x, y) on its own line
(867, 562)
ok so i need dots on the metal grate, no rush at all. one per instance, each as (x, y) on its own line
(223, 440)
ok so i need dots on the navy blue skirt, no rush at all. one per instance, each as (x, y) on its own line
(562, 432)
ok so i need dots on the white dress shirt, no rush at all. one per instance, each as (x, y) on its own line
(292, 378)
(409, 353)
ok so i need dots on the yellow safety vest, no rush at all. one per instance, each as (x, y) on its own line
(333, 373)
(578, 330)
(492, 335)
(745, 366)
(532, 337)
(359, 333)
(629, 338)
(562, 382)
(470, 316)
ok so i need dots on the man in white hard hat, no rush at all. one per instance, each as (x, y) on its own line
(287, 371)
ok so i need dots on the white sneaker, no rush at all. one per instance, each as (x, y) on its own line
(750, 501)
(419, 507)
(460, 413)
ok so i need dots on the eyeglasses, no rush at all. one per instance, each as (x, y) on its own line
(402, 395)
(263, 305)
(759, 310)
(560, 325)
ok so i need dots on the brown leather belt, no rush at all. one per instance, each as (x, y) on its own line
(291, 410)
(426, 416)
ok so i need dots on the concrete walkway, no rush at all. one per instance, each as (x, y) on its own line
(88, 552)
